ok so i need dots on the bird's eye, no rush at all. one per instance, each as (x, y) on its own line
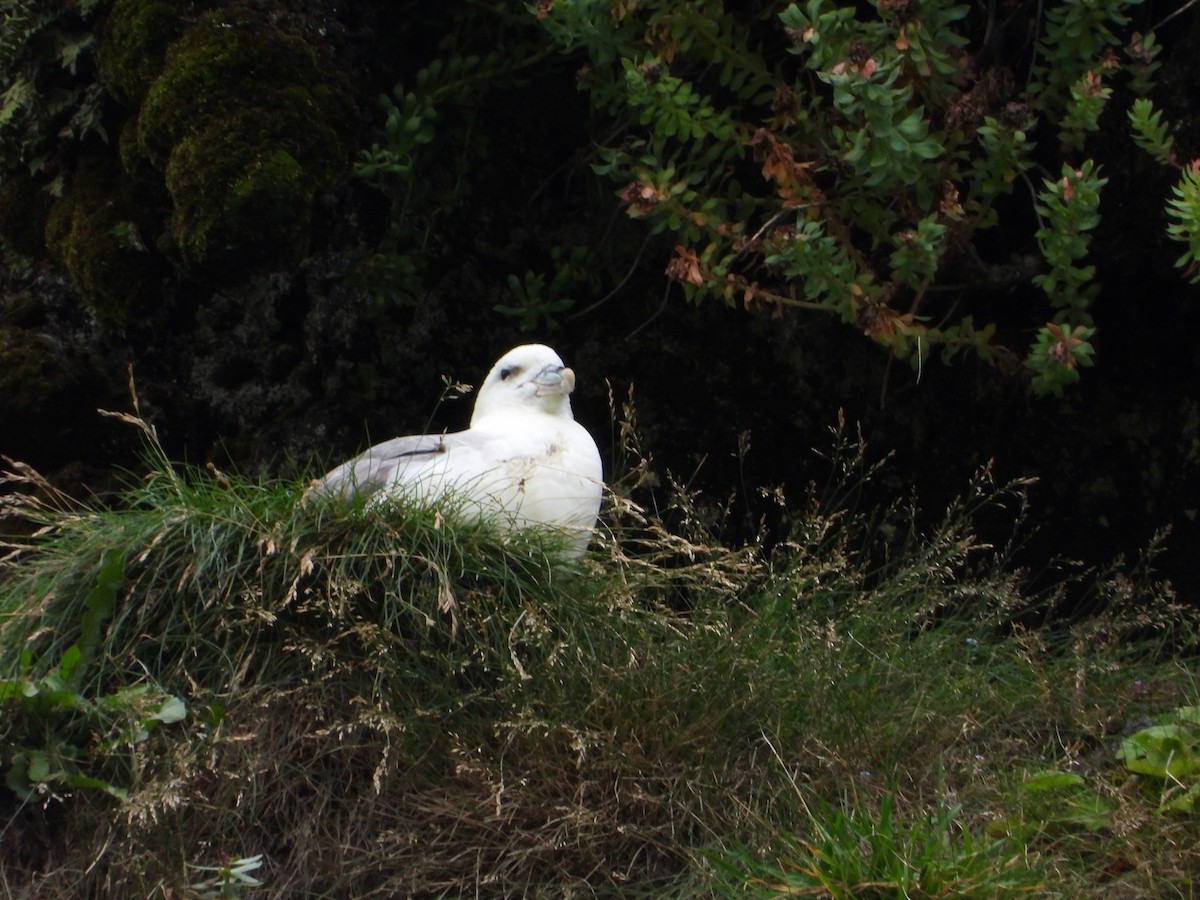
(508, 372)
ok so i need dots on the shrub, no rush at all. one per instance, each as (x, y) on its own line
(858, 161)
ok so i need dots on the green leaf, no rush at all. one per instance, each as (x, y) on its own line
(38, 769)
(98, 608)
(69, 663)
(17, 688)
(87, 781)
(173, 709)
(1186, 802)
(1162, 751)
(1051, 780)
(71, 48)
(19, 95)
(1189, 714)
(17, 780)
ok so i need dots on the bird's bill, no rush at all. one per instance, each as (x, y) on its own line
(554, 380)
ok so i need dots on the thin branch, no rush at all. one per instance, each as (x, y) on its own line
(1173, 15)
(620, 284)
(658, 312)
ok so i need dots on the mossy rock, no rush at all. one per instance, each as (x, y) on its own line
(246, 123)
(96, 231)
(147, 180)
(263, 207)
(133, 45)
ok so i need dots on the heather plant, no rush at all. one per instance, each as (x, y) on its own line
(1152, 134)
(1184, 210)
(853, 160)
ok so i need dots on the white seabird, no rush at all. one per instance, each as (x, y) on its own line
(524, 461)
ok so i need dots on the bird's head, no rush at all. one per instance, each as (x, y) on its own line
(527, 378)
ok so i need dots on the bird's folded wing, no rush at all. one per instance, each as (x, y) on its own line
(377, 468)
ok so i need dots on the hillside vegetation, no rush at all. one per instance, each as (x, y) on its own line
(975, 227)
(215, 689)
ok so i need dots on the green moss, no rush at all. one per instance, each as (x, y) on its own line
(245, 123)
(137, 165)
(133, 45)
(279, 170)
(31, 375)
(236, 125)
(208, 70)
(262, 209)
(95, 231)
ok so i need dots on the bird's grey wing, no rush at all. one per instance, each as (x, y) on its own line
(376, 469)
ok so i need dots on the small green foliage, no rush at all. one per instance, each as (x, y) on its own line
(1077, 35)
(886, 139)
(534, 305)
(1150, 132)
(678, 113)
(98, 608)
(409, 125)
(1069, 211)
(429, 143)
(1051, 780)
(537, 305)
(829, 270)
(1063, 801)
(915, 259)
(63, 732)
(1143, 51)
(392, 279)
(1184, 210)
(1057, 355)
(852, 853)
(1007, 148)
(1088, 97)
(1165, 758)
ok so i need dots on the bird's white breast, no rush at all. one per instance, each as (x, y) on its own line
(517, 469)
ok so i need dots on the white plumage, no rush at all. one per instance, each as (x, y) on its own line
(524, 461)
